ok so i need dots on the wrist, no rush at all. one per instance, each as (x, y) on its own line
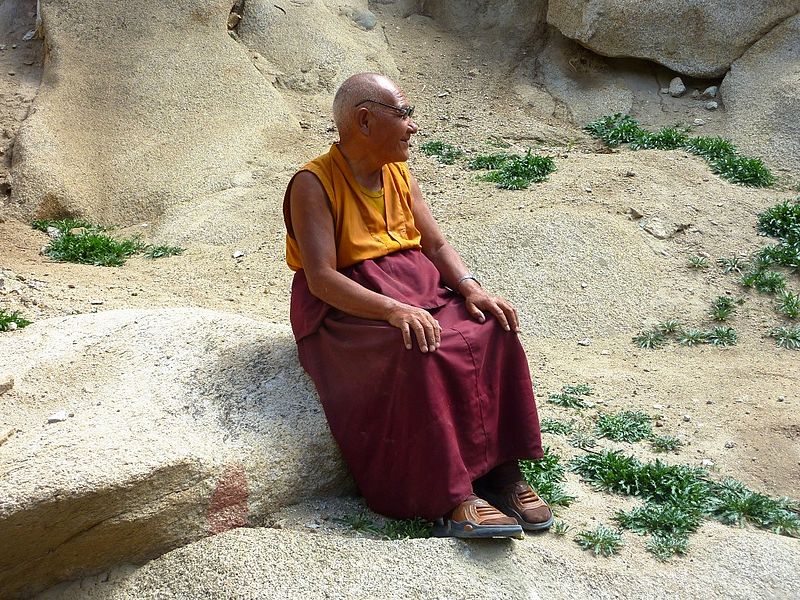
(467, 283)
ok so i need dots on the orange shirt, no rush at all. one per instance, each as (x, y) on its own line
(361, 230)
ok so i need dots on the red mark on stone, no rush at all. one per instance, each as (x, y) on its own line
(228, 506)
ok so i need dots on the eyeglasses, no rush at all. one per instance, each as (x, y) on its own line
(404, 113)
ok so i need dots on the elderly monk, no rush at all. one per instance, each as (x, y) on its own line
(420, 371)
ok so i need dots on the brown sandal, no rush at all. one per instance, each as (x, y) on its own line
(476, 518)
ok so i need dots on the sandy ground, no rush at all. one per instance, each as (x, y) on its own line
(566, 251)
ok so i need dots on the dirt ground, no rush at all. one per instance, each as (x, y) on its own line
(568, 252)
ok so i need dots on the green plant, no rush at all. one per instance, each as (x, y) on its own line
(722, 307)
(625, 426)
(662, 518)
(734, 504)
(560, 528)
(582, 440)
(550, 425)
(154, 252)
(512, 171)
(789, 304)
(787, 337)
(710, 148)
(445, 153)
(649, 340)
(665, 443)
(570, 396)
(664, 545)
(403, 529)
(65, 225)
(743, 170)
(7, 318)
(667, 138)
(722, 336)
(698, 262)
(92, 248)
(578, 389)
(360, 523)
(784, 253)
(692, 337)
(782, 220)
(602, 541)
(497, 142)
(734, 264)
(615, 130)
(669, 326)
(546, 475)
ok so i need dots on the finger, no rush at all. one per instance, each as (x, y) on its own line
(438, 331)
(419, 331)
(501, 316)
(430, 332)
(475, 312)
(406, 335)
(511, 315)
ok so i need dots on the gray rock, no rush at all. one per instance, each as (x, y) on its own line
(698, 122)
(687, 418)
(585, 342)
(54, 232)
(676, 87)
(709, 92)
(201, 421)
(761, 100)
(711, 105)
(695, 94)
(6, 382)
(698, 38)
(657, 228)
(58, 417)
(365, 19)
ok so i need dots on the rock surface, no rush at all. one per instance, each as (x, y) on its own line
(136, 114)
(195, 422)
(700, 39)
(761, 99)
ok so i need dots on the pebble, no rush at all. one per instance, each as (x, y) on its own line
(54, 232)
(698, 122)
(664, 90)
(95, 302)
(676, 87)
(57, 417)
(29, 36)
(605, 353)
(584, 285)
(687, 418)
(707, 462)
(658, 406)
(730, 444)
(695, 94)
(709, 92)
(11, 326)
(584, 342)
(711, 105)
(781, 398)
(6, 382)
(238, 254)
(659, 423)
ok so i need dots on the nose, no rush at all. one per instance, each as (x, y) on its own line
(412, 126)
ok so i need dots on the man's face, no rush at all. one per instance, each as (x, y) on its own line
(394, 129)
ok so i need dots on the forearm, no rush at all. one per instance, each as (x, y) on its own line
(341, 292)
(451, 267)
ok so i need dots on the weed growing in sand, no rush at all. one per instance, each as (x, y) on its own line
(664, 546)
(154, 252)
(669, 326)
(560, 528)
(625, 426)
(692, 337)
(722, 156)
(650, 340)
(582, 440)
(662, 518)
(602, 541)
(733, 504)
(722, 307)
(513, 171)
(65, 225)
(722, 336)
(765, 281)
(787, 337)
(549, 425)
(781, 221)
(445, 153)
(10, 321)
(789, 304)
(734, 264)
(571, 396)
(545, 476)
(665, 443)
(392, 529)
(698, 262)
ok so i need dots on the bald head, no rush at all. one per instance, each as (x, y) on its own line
(354, 89)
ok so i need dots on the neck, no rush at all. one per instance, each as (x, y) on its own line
(368, 172)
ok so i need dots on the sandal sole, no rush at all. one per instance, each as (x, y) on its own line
(471, 531)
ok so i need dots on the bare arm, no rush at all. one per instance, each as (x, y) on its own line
(314, 231)
(449, 264)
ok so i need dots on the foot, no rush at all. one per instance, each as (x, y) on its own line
(518, 500)
(476, 518)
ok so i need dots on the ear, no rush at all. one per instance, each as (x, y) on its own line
(363, 120)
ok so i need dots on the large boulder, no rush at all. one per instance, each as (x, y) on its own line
(761, 99)
(142, 105)
(134, 432)
(696, 38)
(314, 45)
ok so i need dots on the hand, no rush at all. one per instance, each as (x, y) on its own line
(478, 302)
(410, 319)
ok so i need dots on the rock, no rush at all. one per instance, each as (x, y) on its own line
(664, 90)
(697, 38)
(730, 444)
(233, 20)
(687, 418)
(29, 36)
(707, 462)
(709, 92)
(205, 422)
(711, 105)
(12, 326)
(58, 417)
(584, 342)
(657, 228)
(761, 101)
(364, 18)
(698, 122)
(695, 94)
(238, 254)
(138, 166)
(96, 302)
(634, 214)
(781, 398)
(6, 382)
(676, 87)
(53, 232)
(659, 423)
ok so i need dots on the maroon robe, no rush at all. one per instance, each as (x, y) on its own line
(416, 428)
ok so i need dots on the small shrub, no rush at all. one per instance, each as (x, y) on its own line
(625, 426)
(782, 220)
(698, 262)
(767, 282)
(692, 337)
(664, 546)
(669, 326)
(786, 254)
(602, 541)
(722, 307)
(735, 504)
(661, 518)
(787, 337)
(570, 396)
(7, 318)
(615, 130)
(665, 443)
(667, 138)
(445, 153)
(789, 304)
(710, 148)
(488, 162)
(518, 172)
(582, 440)
(734, 264)
(649, 340)
(722, 336)
(578, 389)
(91, 248)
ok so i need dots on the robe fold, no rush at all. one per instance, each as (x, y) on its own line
(416, 429)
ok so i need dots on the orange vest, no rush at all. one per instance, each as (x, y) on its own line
(360, 230)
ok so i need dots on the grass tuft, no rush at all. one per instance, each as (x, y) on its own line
(789, 304)
(669, 326)
(649, 340)
(662, 518)
(667, 138)
(582, 440)
(512, 171)
(615, 130)
(392, 529)
(154, 252)
(722, 336)
(545, 476)
(743, 170)
(92, 248)
(570, 396)
(787, 337)
(445, 153)
(692, 337)
(625, 426)
(560, 528)
(722, 307)
(665, 443)
(734, 264)
(602, 541)
(698, 262)
(710, 148)
(550, 425)
(664, 546)
(7, 318)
